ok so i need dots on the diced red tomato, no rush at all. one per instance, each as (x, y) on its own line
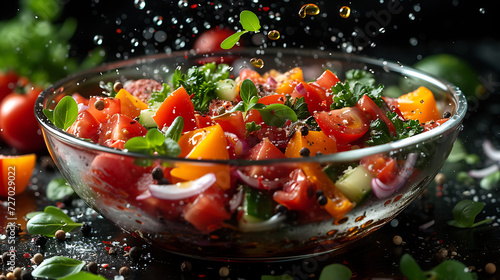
(327, 80)
(373, 112)
(208, 212)
(346, 124)
(85, 126)
(203, 121)
(298, 193)
(111, 106)
(433, 124)
(115, 132)
(233, 122)
(380, 166)
(176, 104)
(80, 99)
(273, 99)
(276, 135)
(311, 96)
(266, 150)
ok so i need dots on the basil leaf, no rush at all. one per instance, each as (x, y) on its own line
(465, 213)
(138, 144)
(30, 215)
(83, 275)
(410, 268)
(171, 147)
(248, 91)
(174, 131)
(58, 267)
(49, 114)
(51, 220)
(335, 271)
(249, 21)
(154, 137)
(230, 41)
(451, 269)
(57, 189)
(65, 112)
(277, 114)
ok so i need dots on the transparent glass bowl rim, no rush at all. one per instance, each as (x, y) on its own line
(352, 155)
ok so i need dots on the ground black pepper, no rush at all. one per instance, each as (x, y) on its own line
(86, 229)
(41, 240)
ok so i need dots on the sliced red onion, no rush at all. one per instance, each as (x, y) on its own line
(182, 190)
(266, 225)
(480, 173)
(258, 183)
(490, 151)
(301, 89)
(82, 107)
(271, 81)
(382, 190)
(144, 195)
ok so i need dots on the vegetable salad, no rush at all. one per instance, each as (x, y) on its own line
(205, 113)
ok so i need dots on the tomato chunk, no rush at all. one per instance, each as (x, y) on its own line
(85, 126)
(103, 113)
(176, 104)
(115, 132)
(345, 125)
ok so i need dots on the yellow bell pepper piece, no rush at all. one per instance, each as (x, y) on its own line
(419, 105)
(130, 105)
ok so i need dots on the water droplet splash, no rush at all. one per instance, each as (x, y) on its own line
(273, 35)
(345, 12)
(98, 40)
(308, 10)
(257, 62)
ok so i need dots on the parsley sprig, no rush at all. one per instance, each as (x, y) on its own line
(250, 23)
(357, 83)
(379, 133)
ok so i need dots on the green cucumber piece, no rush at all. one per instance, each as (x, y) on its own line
(146, 118)
(355, 184)
(226, 89)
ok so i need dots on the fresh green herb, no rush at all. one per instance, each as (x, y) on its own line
(64, 114)
(464, 178)
(273, 114)
(490, 181)
(459, 153)
(277, 115)
(108, 88)
(58, 267)
(153, 142)
(83, 275)
(252, 126)
(250, 23)
(58, 188)
(357, 84)
(465, 212)
(201, 82)
(447, 270)
(404, 129)
(159, 96)
(335, 271)
(379, 133)
(174, 131)
(299, 106)
(51, 220)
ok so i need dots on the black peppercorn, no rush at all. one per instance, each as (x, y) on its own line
(41, 240)
(304, 130)
(446, 114)
(92, 267)
(322, 200)
(86, 229)
(157, 173)
(281, 209)
(304, 152)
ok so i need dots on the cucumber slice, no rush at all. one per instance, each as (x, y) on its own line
(355, 184)
(146, 118)
(226, 89)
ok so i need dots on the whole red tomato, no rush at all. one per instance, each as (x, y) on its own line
(18, 125)
(8, 82)
(209, 41)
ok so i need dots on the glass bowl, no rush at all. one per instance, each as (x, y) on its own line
(114, 190)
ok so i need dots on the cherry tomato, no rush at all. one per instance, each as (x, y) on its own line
(312, 97)
(8, 83)
(111, 106)
(85, 126)
(18, 125)
(298, 193)
(266, 150)
(373, 112)
(433, 124)
(346, 124)
(115, 132)
(210, 40)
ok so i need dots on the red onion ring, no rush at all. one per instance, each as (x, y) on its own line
(257, 183)
(382, 190)
(181, 190)
(490, 151)
(480, 173)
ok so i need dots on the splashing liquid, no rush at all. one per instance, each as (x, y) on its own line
(308, 10)
(345, 12)
(257, 62)
(273, 35)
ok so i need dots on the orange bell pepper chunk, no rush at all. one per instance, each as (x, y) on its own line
(16, 173)
(129, 104)
(204, 143)
(315, 141)
(419, 105)
(337, 204)
(176, 104)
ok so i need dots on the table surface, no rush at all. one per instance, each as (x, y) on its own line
(422, 226)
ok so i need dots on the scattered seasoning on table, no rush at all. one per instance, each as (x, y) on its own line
(17, 272)
(26, 275)
(186, 266)
(85, 229)
(124, 271)
(134, 253)
(441, 255)
(37, 258)
(92, 267)
(490, 268)
(440, 178)
(398, 240)
(60, 234)
(224, 271)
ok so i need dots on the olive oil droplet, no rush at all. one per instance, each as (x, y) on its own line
(308, 10)
(345, 12)
(273, 35)
(257, 62)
